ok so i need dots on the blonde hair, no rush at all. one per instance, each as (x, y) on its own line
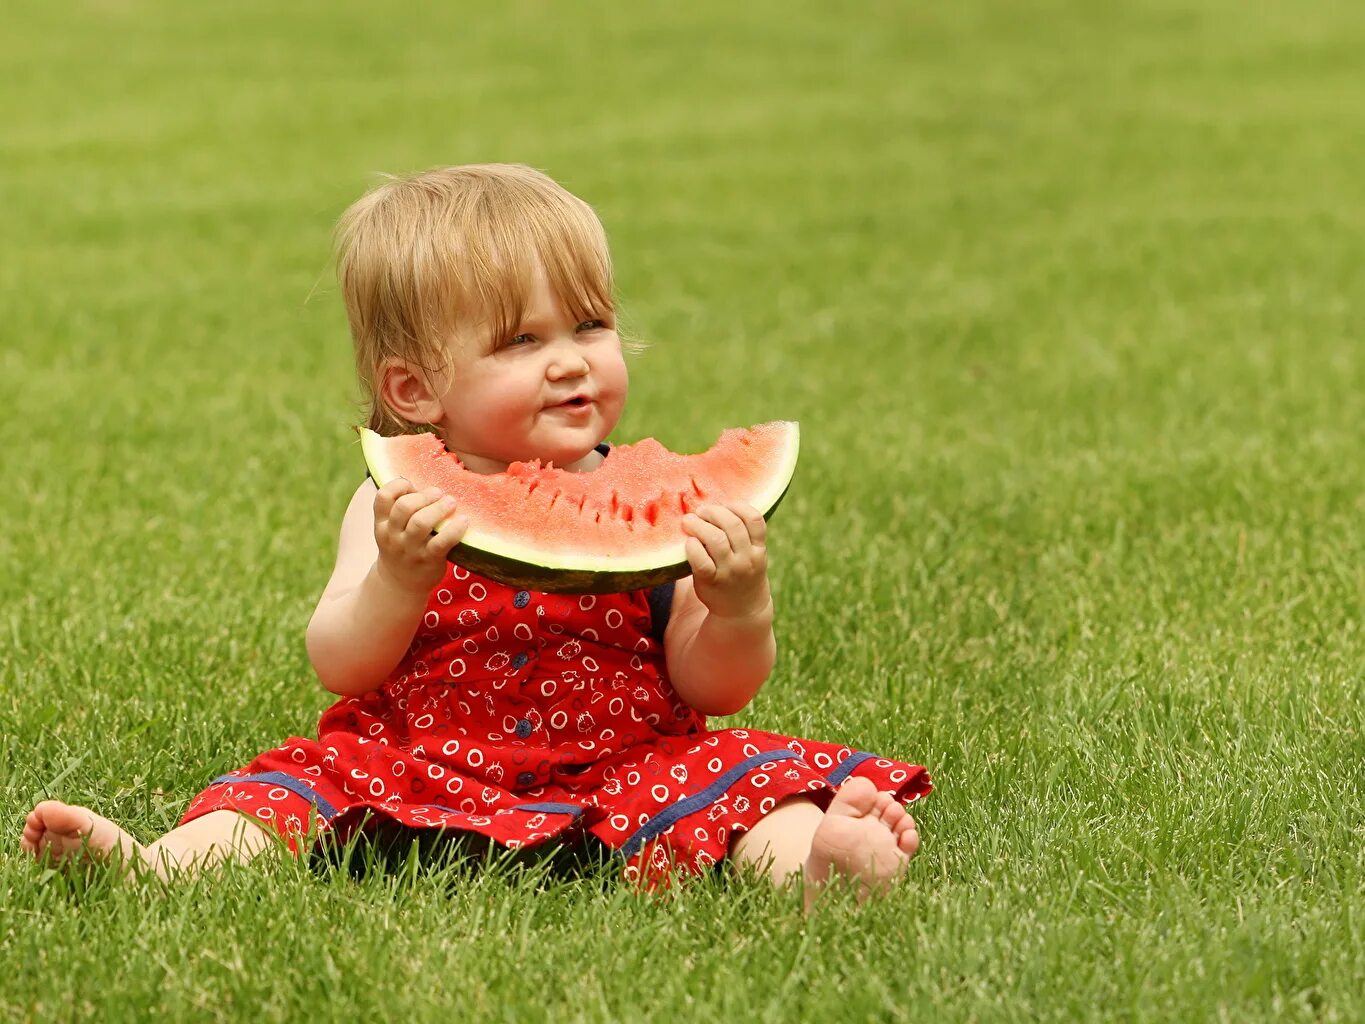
(423, 255)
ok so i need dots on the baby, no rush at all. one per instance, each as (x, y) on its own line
(481, 305)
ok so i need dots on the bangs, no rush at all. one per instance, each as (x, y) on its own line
(507, 234)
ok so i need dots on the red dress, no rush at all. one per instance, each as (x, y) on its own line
(528, 717)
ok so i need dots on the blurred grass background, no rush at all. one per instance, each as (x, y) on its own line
(1067, 298)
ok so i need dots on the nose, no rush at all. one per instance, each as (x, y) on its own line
(566, 361)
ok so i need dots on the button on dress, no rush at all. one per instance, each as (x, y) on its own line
(529, 717)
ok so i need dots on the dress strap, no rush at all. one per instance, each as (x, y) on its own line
(660, 600)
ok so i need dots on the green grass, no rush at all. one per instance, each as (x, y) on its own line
(1068, 300)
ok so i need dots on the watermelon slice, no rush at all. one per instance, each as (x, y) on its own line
(614, 529)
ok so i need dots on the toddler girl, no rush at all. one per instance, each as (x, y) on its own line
(480, 303)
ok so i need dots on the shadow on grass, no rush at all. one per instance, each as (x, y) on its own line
(576, 864)
(425, 857)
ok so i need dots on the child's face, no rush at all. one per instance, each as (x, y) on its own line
(551, 392)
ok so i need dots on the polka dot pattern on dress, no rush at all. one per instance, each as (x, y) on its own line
(530, 717)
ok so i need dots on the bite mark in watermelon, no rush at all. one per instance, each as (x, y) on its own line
(616, 528)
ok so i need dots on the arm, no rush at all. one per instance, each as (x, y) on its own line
(719, 644)
(387, 563)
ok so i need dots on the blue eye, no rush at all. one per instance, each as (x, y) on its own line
(591, 325)
(522, 339)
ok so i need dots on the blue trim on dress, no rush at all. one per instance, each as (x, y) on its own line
(844, 770)
(289, 782)
(545, 808)
(665, 818)
(550, 808)
(443, 807)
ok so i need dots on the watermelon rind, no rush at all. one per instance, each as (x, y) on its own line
(568, 573)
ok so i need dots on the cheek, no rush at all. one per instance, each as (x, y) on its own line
(506, 395)
(612, 375)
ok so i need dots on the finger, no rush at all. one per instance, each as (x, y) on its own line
(754, 523)
(737, 534)
(427, 519)
(448, 534)
(716, 541)
(703, 568)
(387, 495)
(409, 505)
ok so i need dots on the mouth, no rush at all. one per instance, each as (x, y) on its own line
(576, 402)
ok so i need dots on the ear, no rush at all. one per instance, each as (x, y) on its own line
(408, 392)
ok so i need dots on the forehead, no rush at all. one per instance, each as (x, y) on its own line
(536, 297)
(540, 302)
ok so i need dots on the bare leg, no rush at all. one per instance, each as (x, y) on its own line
(865, 835)
(75, 837)
(208, 841)
(780, 842)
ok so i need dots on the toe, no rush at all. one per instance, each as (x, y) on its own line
(32, 831)
(49, 815)
(856, 798)
(908, 838)
(69, 820)
(893, 816)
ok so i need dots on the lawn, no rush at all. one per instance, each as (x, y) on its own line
(1067, 298)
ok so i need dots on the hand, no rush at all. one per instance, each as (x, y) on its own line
(725, 547)
(410, 557)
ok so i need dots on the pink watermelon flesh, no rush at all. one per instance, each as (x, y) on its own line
(615, 528)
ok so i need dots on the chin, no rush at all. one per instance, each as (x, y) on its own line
(565, 457)
(566, 452)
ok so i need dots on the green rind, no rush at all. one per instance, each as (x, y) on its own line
(371, 446)
(549, 580)
(471, 554)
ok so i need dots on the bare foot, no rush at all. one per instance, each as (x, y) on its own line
(866, 836)
(71, 837)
